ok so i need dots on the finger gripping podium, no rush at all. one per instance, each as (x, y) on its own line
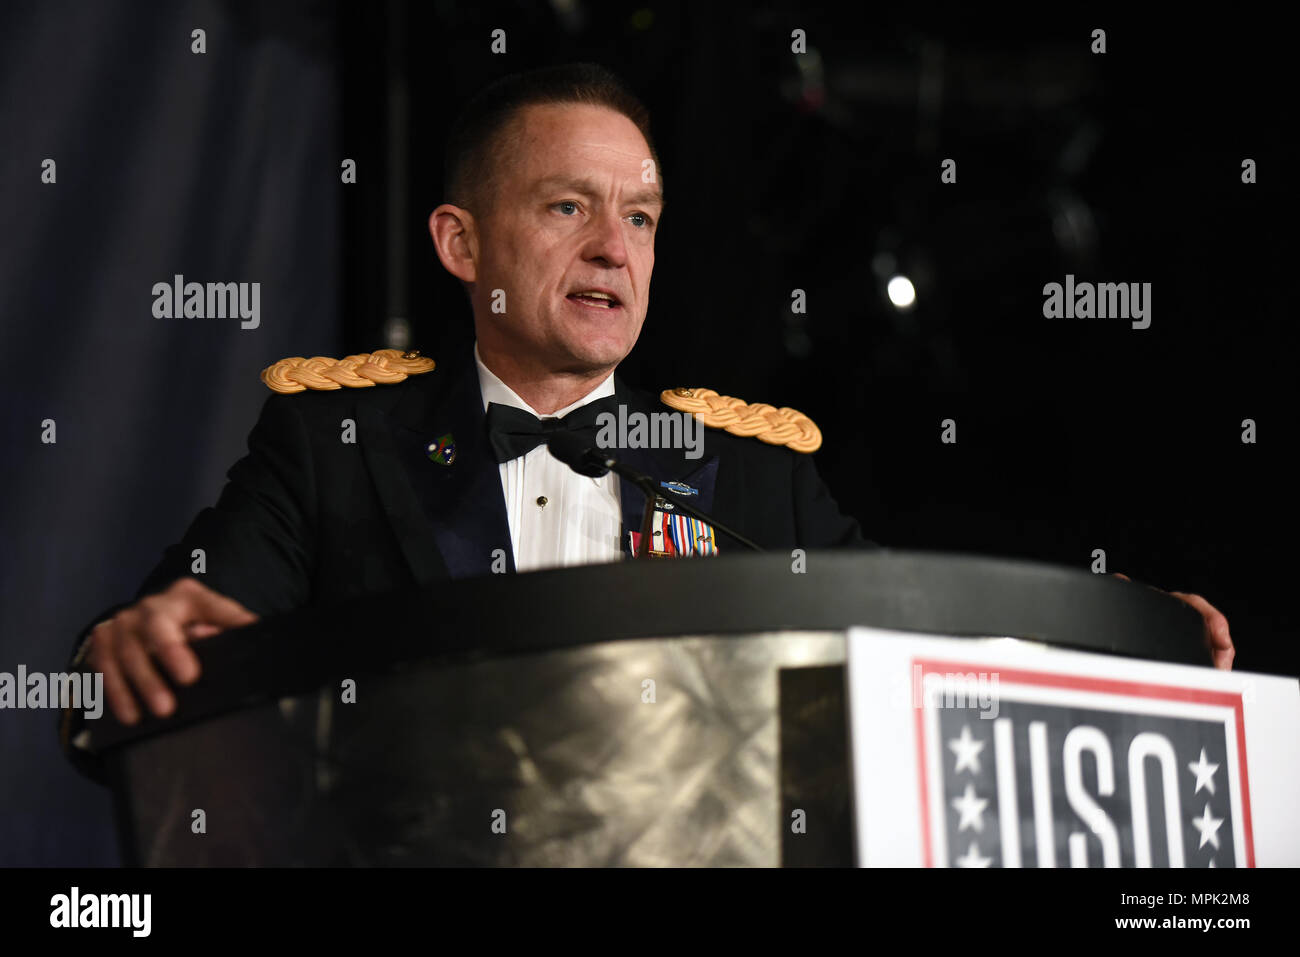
(660, 713)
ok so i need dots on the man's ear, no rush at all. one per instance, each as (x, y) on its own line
(455, 237)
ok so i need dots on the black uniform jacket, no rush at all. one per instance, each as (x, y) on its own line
(307, 517)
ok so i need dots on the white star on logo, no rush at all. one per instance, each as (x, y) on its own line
(971, 809)
(967, 750)
(973, 859)
(1204, 772)
(1209, 828)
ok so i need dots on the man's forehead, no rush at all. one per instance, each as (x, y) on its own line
(578, 144)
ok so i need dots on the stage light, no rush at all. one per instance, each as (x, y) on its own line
(901, 292)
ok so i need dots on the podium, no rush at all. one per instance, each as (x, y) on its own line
(643, 713)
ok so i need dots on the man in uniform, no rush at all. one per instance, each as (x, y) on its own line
(553, 202)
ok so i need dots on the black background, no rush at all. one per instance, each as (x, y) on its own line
(1073, 434)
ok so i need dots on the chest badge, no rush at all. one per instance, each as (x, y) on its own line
(681, 488)
(443, 449)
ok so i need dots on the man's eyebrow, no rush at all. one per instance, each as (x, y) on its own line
(644, 197)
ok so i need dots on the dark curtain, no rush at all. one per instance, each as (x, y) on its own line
(220, 166)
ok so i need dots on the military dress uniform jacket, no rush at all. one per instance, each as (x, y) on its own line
(306, 517)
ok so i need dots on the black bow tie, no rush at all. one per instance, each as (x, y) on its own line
(514, 432)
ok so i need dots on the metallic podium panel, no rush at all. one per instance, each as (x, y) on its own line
(638, 752)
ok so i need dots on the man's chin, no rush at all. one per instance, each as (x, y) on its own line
(601, 350)
(596, 360)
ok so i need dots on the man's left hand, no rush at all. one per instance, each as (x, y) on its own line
(1218, 641)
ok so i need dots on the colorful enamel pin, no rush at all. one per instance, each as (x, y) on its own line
(443, 449)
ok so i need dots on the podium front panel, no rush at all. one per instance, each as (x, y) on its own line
(704, 750)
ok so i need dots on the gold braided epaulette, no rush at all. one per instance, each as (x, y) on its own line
(383, 366)
(784, 426)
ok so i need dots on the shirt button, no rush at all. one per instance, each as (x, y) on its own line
(541, 501)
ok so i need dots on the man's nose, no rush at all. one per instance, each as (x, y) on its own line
(606, 242)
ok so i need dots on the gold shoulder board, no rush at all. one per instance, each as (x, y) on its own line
(784, 426)
(361, 371)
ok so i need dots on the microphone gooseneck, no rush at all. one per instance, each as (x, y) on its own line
(576, 452)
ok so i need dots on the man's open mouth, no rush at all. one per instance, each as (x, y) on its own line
(595, 298)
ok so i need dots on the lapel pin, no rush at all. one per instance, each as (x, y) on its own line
(443, 449)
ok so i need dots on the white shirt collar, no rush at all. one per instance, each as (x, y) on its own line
(494, 390)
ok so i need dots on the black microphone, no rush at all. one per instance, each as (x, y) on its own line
(575, 452)
(572, 449)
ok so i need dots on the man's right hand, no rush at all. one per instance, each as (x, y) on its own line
(158, 629)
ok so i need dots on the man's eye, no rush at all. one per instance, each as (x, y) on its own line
(640, 220)
(567, 207)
